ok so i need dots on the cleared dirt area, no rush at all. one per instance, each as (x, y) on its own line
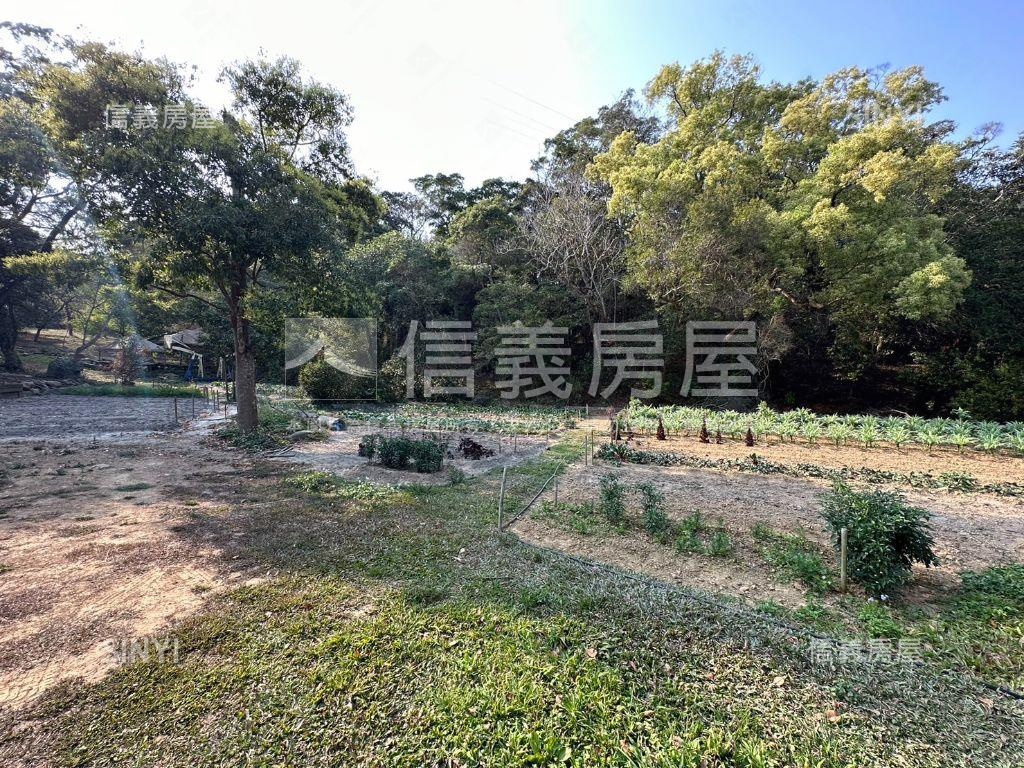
(338, 454)
(107, 540)
(81, 416)
(971, 532)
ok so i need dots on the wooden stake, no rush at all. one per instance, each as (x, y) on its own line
(842, 560)
(501, 498)
(175, 410)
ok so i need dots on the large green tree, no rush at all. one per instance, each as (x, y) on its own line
(813, 203)
(224, 209)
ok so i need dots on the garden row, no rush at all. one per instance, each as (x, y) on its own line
(958, 482)
(885, 536)
(764, 423)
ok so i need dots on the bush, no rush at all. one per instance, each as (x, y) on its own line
(322, 381)
(63, 368)
(127, 365)
(427, 455)
(885, 537)
(720, 545)
(612, 505)
(398, 452)
(391, 380)
(369, 446)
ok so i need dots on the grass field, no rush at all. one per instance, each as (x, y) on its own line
(397, 627)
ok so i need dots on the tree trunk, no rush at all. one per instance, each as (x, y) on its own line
(245, 369)
(9, 338)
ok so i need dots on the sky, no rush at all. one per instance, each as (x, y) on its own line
(476, 87)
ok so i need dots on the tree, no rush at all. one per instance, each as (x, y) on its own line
(223, 210)
(572, 240)
(812, 202)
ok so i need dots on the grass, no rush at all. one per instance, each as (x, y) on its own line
(409, 633)
(132, 487)
(794, 557)
(141, 389)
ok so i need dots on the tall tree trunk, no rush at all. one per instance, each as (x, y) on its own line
(9, 338)
(245, 368)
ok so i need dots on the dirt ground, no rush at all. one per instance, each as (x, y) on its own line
(99, 539)
(82, 416)
(971, 531)
(339, 456)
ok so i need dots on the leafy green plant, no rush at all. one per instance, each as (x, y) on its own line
(878, 621)
(839, 433)
(720, 544)
(655, 519)
(613, 505)
(885, 536)
(796, 557)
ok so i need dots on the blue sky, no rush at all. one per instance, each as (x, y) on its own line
(475, 87)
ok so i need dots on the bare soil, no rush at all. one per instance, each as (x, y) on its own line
(78, 417)
(100, 540)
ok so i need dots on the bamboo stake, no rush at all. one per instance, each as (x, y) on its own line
(501, 498)
(842, 560)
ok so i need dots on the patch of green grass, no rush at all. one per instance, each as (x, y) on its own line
(578, 518)
(141, 389)
(795, 557)
(417, 635)
(132, 487)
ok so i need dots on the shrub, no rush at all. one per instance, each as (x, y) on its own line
(322, 381)
(369, 446)
(612, 505)
(398, 452)
(395, 452)
(391, 383)
(720, 544)
(655, 519)
(63, 368)
(427, 455)
(885, 537)
(127, 365)
(690, 529)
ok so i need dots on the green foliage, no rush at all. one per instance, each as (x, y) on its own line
(878, 621)
(688, 536)
(322, 381)
(756, 185)
(63, 368)
(795, 556)
(655, 519)
(398, 452)
(885, 537)
(720, 544)
(612, 505)
(141, 389)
